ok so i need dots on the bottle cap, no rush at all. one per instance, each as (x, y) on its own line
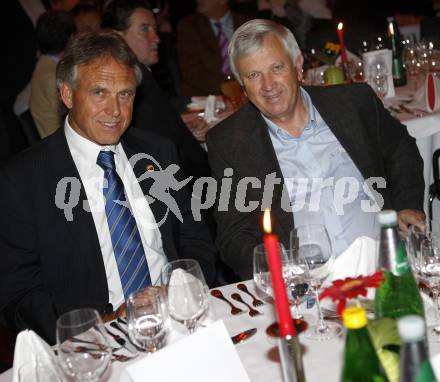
(354, 317)
(411, 328)
(387, 217)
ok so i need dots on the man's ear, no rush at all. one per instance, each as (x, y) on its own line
(299, 67)
(66, 94)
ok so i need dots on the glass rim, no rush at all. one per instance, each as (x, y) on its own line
(168, 265)
(96, 316)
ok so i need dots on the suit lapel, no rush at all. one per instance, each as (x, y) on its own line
(342, 122)
(81, 229)
(209, 40)
(265, 161)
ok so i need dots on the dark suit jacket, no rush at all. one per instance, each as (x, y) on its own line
(50, 265)
(377, 143)
(153, 112)
(199, 55)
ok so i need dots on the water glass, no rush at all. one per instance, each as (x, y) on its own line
(79, 361)
(147, 318)
(313, 244)
(188, 298)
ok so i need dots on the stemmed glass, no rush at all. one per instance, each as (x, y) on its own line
(79, 361)
(430, 271)
(314, 245)
(188, 297)
(379, 79)
(147, 316)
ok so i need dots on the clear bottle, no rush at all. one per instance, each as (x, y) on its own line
(398, 295)
(395, 43)
(361, 363)
(414, 360)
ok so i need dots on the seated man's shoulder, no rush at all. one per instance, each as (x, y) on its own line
(234, 124)
(142, 139)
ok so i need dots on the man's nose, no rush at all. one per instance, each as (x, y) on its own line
(113, 107)
(268, 82)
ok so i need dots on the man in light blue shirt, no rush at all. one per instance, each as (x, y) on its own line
(333, 153)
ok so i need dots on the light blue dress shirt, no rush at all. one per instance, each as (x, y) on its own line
(318, 174)
(227, 25)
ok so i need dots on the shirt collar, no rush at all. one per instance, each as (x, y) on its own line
(83, 148)
(224, 20)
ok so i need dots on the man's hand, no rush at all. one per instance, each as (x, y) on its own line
(408, 217)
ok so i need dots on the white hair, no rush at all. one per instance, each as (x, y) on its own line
(250, 37)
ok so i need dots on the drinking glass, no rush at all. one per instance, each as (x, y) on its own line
(79, 361)
(430, 270)
(295, 275)
(262, 277)
(314, 245)
(147, 316)
(379, 79)
(231, 89)
(188, 297)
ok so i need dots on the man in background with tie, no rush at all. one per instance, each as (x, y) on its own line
(78, 230)
(202, 47)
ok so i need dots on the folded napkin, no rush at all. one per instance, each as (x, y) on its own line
(384, 56)
(30, 347)
(210, 107)
(199, 103)
(427, 97)
(360, 258)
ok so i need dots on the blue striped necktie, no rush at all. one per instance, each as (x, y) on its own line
(127, 244)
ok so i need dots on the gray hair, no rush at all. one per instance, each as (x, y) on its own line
(250, 37)
(87, 48)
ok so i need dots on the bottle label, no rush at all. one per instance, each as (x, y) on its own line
(402, 265)
(426, 373)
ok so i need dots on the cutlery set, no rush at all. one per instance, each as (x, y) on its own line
(237, 297)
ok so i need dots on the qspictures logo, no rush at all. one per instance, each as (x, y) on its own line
(298, 193)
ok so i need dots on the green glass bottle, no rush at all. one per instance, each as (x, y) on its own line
(361, 363)
(398, 295)
(414, 360)
(395, 43)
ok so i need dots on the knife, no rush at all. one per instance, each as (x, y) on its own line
(243, 336)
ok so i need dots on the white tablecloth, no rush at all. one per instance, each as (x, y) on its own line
(259, 354)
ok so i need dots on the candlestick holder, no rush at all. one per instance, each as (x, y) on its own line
(291, 359)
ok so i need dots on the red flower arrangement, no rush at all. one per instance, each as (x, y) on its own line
(350, 287)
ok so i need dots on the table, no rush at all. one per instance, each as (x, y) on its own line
(259, 354)
(426, 131)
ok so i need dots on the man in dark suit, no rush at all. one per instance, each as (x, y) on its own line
(200, 56)
(331, 156)
(135, 22)
(79, 226)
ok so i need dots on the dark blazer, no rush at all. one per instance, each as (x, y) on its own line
(153, 112)
(377, 143)
(50, 265)
(199, 55)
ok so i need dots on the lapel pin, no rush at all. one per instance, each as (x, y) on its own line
(150, 168)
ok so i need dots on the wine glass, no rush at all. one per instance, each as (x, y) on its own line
(379, 79)
(231, 89)
(430, 271)
(147, 316)
(188, 297)
(262, 277)
(296, 276)
(73, 330)
(314, 245)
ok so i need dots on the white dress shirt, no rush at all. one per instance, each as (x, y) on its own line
(85, 154)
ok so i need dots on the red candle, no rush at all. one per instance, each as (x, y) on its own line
(341, 43)
(285, 322)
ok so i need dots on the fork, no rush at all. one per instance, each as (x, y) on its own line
(252, 312)
(219, 295)
(256, 301)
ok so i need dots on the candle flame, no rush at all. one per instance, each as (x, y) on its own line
(391, 29)
(267, 226)
(340, 26)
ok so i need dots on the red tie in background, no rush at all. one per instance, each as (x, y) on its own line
(223, 42)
